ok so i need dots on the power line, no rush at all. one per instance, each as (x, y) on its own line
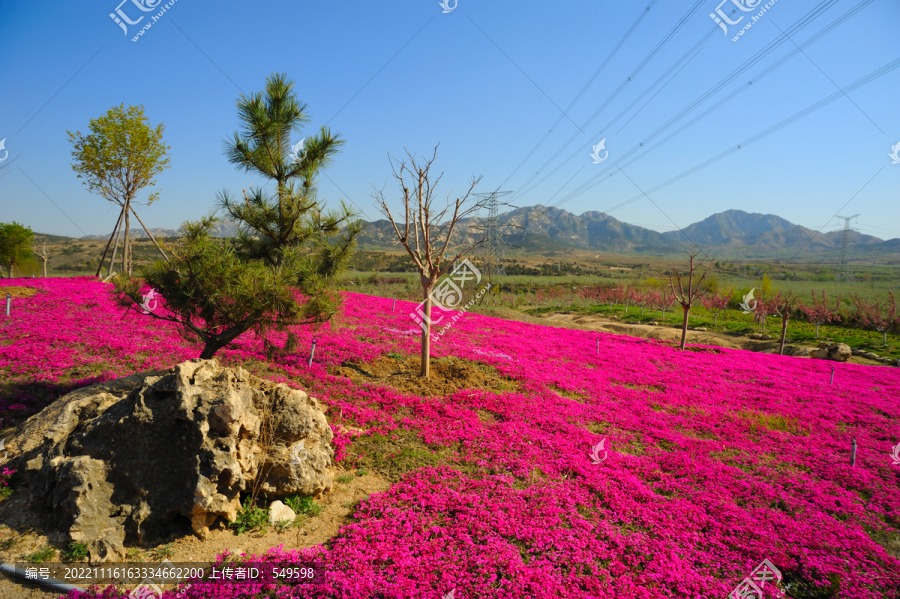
(805, 112)
(756, 58)
(379, 70)
(584, 88)
(829, 78)
(51, 200)
(558, 69)
(523, 72)
(60, 89)
(649, 57)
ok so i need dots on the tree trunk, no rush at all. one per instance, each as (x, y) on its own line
(45, 266)
(784, 323)
(425, 370)
(687, 311)
(217, 342)
(817, 330)
(112, 261)
(884, 337)
(715, 317)
(126, 254)
(115, 234)
(209, 350)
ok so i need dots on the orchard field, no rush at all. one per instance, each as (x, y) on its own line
(712, 459)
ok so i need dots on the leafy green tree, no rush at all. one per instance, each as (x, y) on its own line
(118, 158)
(15, 245)
(217, 289)
(213, 294)
(766, 288)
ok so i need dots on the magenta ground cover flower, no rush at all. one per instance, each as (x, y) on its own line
(716, 459)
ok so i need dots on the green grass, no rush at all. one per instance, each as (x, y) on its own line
(250, 517)
(44, 555)
(163, 552)
(344, 478)
(75, 552)
(303, 506)
(133, 554)
(737, 323)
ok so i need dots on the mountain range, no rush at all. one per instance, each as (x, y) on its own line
(733, 233)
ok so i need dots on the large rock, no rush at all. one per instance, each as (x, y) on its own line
(116, 460)
(836, 352)
(278, 512)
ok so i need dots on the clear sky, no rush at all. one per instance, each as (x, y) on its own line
(488, 81)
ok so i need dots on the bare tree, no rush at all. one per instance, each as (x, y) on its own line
(783, 306)
(425, 231)
(42, 252)
(687, 296)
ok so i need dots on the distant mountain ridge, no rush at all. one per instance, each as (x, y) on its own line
(219, 229)
(539, 228)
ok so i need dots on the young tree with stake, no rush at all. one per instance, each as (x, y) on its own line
(425, 230)
(687, 296)
(118, 158)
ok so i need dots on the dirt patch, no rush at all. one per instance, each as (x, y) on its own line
(773, 422)
(20, 535)
(18, 291)
(400, 451)
(673, 334)
(573, 395)
(448, 375)
(649, 388)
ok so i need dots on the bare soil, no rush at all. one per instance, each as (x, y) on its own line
(21, 533)
(448, 375)
(17, 291)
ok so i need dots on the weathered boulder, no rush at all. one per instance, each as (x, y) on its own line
(836, 352)
(117, 460)
(278, 512)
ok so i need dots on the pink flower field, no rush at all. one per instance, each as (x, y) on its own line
(713, 459)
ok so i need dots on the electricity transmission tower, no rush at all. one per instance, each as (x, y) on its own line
(493, 246)
(846, 275)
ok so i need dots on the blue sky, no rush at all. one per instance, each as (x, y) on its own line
(487, 81)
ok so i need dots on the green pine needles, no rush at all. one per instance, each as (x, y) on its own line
(216, 289)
